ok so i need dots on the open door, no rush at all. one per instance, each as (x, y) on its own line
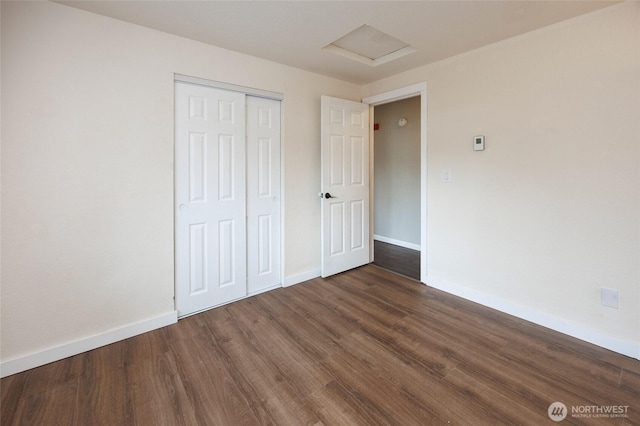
(345, 185)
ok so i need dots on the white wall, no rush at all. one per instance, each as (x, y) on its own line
(550, 212)
(396, 171)
(87, 170)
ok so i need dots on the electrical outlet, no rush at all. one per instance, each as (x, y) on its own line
(609, 297)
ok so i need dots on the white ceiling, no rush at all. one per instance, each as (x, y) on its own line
(295, 32)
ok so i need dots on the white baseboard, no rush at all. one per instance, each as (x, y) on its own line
(56, 353)
(395, 242)
(300, 278)
(624, 347)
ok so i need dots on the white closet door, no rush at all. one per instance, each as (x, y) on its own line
(263, 194)
(210, 197)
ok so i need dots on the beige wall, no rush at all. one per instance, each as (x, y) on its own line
(550, 212)
(396, 212)
(87, 168)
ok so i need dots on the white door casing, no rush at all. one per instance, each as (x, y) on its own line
(263, 194)
(345, 185)
(419, 89)
(210, 197)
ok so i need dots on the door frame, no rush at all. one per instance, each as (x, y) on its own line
(419, 89)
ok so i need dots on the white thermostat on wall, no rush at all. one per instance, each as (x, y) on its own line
(478, 143)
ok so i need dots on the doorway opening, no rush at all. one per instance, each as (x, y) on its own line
(418, 90)
(396, 193)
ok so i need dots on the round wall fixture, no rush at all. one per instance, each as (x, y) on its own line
(402, 122)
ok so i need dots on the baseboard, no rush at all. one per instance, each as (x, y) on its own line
(300, 278)
(624, 347)
(395, 242)
(56, 353)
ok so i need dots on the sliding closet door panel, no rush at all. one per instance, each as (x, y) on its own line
(210, 197)
(263, 194)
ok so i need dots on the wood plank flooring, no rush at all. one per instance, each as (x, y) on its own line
(401, 260)
(366, 347)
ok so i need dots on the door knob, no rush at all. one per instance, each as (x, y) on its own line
(327, 195)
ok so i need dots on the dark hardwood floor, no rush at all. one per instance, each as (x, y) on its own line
(366, 347)
(398, 259)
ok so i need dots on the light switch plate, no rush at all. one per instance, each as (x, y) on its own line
(609, 297)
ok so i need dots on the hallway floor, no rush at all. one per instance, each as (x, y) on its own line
(397, 259)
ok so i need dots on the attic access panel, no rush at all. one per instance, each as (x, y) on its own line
(370, 46)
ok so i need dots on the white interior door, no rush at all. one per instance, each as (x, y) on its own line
(345, 185)
(210, 197)
(263, 194)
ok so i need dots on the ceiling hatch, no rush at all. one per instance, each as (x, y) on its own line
(370, 46)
